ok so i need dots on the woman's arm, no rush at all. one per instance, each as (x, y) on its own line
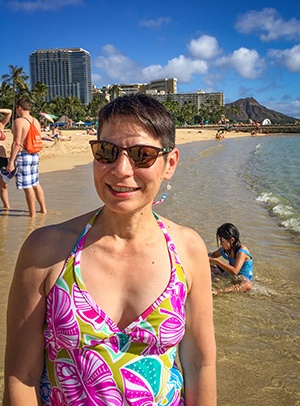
(7, 115)
(25, 321)
(197, 350)
(16, 145)
(39, 264)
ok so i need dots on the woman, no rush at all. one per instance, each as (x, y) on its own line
(240, 263)
(3, 158)
(106, 297)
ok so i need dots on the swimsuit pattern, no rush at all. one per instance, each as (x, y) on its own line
(90, 361)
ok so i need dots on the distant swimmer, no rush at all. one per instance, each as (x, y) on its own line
(240, 266)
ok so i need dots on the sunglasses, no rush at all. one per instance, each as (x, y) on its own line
(141, 156)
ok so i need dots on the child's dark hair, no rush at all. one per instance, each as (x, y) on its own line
(228, 231)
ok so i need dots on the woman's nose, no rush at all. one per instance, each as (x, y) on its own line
(122, 165)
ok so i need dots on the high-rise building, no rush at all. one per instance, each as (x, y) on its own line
(66, 72)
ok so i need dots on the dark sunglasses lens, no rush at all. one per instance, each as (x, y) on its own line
(143, 157)
(105, 153)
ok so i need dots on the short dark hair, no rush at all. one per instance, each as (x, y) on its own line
(24, 103)
(146, 110)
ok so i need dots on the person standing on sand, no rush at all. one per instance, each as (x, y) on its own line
(3, 159)
(27, 165)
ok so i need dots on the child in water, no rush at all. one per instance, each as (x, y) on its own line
(240, 264)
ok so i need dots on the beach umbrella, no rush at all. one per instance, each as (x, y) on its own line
(80, 122)
(49, 117)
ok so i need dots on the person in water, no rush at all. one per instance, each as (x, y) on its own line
(240, 262)
(100, 304)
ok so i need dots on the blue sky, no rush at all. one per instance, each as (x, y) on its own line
(242, 48)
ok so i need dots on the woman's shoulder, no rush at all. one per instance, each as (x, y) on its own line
(184, 237)
(58, 238)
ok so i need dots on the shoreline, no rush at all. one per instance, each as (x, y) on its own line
(75, 150)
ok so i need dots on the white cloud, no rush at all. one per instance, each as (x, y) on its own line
(155, 23)
(204, 47)
(213, 81)
(290, 58)
(269, 24)
(181, 68)
(117, 66)
(97, 79)
(31, 6)
(120, 68)
(246, 62)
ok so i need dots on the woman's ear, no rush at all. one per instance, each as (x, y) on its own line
(171, 164)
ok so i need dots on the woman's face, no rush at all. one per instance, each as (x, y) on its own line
(122, 186)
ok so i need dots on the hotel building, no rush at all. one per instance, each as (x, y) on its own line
(66, 72)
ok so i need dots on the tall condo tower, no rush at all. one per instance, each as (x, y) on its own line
(66, 72)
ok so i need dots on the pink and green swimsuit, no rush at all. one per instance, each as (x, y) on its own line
(90, 361)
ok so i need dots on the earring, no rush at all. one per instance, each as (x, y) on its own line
(168, 187)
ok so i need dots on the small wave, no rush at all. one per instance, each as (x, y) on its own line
(292, 224)
(257, 148)
(260, 290)
(267, 198)
(283, 210)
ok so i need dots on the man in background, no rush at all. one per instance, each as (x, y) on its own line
(27, 177)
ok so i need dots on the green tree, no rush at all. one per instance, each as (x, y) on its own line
(93, 107)
(211, 111)
(173, 108)
(6, 95)
(188, 113)
(115, 91)
(38, 96)
(73, 107)
(57, 106)
(17, 78)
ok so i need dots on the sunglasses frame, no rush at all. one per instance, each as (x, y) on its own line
(164, 151)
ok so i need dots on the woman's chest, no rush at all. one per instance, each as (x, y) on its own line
(124, 286)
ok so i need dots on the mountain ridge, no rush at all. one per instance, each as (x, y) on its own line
(249, 109)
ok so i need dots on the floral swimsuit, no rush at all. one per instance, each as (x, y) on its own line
(90, 361)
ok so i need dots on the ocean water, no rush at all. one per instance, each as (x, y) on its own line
(252, 182)
(273, 173)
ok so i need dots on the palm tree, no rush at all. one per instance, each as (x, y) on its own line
(73, 106)
(188, 112)
(115, 91)
(173, 108)
(17, 79)
(6, 95)
(94, 106)
(38, 95)
(57, 106)
(211, 110)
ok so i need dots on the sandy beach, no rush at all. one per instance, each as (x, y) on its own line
(75, 150)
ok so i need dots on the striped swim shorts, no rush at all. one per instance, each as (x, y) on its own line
(28, 170)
